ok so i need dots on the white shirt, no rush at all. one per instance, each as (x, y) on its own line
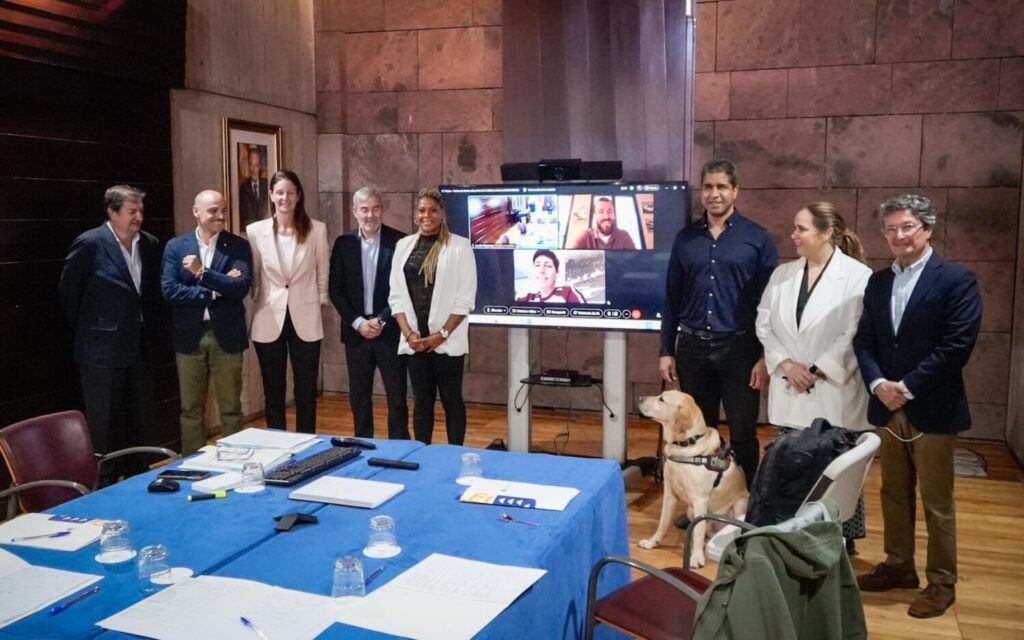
(206, 252)
(903, 284)
(132, 258)
(370, 250)
(285, 252)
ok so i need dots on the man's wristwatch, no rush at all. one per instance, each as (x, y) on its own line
(444, 333)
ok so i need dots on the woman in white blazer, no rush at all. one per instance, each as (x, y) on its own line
(433, 289)
(290, 269)
(806, 321)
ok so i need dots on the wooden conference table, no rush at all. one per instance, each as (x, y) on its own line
(234, 537)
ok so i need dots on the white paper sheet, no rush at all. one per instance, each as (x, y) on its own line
(352, 492)
(207, 460)
(81, 534)
(270, 439)
(441, 598)
(221, 482)
(519, 494)
(25, 589)
(281, 614)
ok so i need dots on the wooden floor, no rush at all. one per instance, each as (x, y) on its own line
(990, 521)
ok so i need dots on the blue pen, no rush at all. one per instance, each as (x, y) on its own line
(82, 596)
(376, 572)
(256, 629)
(58, 534)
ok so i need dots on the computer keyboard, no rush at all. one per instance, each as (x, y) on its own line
(289, 474)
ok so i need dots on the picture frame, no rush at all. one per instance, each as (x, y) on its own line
(245, 143)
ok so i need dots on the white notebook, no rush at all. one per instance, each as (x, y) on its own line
(367, 494)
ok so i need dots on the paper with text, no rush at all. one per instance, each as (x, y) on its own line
(29, 525)
(521, 495)
(441, 598)
(25, 589)
(281, 614)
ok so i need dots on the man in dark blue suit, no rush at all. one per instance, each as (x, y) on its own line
(360, 267)
(920, 322)
(110, 292)
(205, 277)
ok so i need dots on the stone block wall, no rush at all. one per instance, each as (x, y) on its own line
(845, 100)
(856, 100)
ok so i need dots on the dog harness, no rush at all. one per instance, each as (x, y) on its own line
(719, 461)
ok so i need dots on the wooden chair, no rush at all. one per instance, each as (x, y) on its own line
(51, 460)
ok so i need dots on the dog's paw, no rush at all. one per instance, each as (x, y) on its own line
(649, 543)
(697, 559)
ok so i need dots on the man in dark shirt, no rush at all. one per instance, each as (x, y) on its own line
(719, 267)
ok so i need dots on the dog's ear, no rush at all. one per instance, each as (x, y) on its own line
(689, 414)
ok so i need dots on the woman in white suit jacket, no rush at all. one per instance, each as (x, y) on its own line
(806, 321)
(290, 269)
(433, 289)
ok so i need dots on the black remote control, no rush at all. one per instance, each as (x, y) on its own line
(393, 464)
(346, 441)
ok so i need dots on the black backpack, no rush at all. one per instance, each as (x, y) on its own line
(792, 463)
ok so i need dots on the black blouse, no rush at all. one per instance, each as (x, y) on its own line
(805, 294)
(419, 290)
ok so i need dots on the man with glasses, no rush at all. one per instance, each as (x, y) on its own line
(720, 265)
(921, 320)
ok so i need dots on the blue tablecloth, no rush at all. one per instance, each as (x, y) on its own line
(203, 536)
(430, 519)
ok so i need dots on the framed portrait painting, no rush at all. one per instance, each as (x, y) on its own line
(252, 154)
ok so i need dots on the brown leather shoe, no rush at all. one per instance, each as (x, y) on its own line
(933, 601)
(886, 576)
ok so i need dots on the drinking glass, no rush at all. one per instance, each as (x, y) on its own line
(348, 578)
(383, 543)
(470, 469)
(153, 569)
(115, 543)
(232, 453)
(252, 478)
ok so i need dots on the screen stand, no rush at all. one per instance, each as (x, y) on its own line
(614, 419)
(519, 409)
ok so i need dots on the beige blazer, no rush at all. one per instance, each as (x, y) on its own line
(824, 338)
(301, 293)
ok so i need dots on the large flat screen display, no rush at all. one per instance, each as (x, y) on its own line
(589, 256)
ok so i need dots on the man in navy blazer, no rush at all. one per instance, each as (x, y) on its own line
(920, 322)
(359, 289)
(110, 292)
(205, 278)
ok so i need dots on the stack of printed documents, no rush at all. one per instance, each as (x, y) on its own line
(270, 447)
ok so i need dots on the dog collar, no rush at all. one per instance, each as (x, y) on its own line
(689, 442)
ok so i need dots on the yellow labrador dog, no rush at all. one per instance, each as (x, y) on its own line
(686, 436)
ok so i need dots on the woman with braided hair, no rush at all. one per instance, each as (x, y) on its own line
(433, 289)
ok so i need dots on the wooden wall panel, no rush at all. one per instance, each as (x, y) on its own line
(612, 87)
(86, 105)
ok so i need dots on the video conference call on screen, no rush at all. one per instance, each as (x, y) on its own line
(570, 255)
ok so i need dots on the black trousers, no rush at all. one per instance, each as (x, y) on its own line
(432, 374)
(716, 373)
(363, 358)
(119, 408)
(273, 357)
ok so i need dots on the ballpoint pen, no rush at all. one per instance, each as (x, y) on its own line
(58, 534)
(82, 596)
(256, 629)
(376, 572)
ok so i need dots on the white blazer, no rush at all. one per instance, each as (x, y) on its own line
(454, 292)
(824, 338)
(300, 293)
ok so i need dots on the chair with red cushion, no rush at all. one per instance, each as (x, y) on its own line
(51, 460)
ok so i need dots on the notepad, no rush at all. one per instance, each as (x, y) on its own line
(350, 492)
(81, 531)
(25, 588)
